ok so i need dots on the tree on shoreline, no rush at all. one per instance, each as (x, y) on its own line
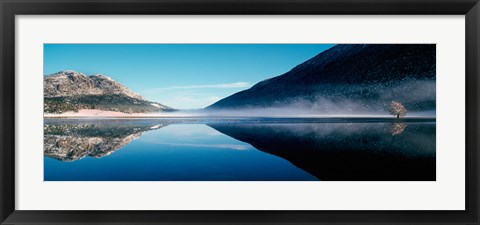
(397, 109)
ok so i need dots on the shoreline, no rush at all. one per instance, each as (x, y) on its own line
(98, 114)
(265, 118)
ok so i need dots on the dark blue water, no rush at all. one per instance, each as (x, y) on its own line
(231, 149)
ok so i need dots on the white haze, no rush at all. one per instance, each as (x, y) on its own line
(335, 111)
(337, 100)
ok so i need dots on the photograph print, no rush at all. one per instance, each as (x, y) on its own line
(239, 112)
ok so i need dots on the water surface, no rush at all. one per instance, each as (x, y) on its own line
(239, 149)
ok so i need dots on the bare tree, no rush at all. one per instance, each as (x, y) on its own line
(397, 109)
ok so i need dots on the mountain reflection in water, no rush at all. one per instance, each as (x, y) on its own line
(74, 141)
(346, 151)
(239, 149)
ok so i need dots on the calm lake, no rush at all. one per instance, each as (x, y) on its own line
(239, 149)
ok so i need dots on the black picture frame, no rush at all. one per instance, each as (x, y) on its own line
(10, 8)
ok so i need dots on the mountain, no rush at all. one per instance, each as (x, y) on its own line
(349, 78)
(71, 91)
(72, 83)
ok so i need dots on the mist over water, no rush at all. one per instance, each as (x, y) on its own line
(299, 110)
(294, 111)
(344, 100)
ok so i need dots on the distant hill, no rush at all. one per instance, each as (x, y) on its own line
(349, 78)
(71, 91)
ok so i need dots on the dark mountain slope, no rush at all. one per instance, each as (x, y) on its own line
(350, 78)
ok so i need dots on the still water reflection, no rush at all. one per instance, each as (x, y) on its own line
(252, 149)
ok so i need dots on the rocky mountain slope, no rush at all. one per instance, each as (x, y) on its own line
(72, 83)
(349, 78)
(71, 91)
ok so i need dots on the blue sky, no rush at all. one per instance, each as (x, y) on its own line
(183, 76)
